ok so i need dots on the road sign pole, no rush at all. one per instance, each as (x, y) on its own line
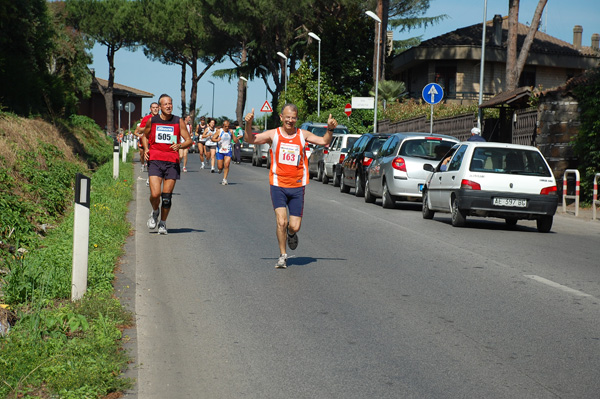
(431, 121)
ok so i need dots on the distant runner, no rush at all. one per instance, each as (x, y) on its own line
(223, 139)
(288, 174)
(139, 131)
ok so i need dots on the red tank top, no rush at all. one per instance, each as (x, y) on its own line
(163, 134)
(289, 164)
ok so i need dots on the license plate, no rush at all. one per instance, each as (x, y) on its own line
(514, 202)
(421, 188)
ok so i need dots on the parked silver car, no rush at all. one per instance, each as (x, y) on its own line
(260, 155)
(397, 172)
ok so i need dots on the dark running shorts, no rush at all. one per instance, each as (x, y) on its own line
(292, 198)
(166, 170)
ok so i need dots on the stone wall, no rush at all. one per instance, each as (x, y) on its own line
(558, 125)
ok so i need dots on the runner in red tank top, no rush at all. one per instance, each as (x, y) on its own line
(288, 174)
(162, 142)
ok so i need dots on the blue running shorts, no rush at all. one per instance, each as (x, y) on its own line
(291, 198)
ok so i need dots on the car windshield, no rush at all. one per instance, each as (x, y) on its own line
(320, 131)
(351, 141)
(428, 148)
(509, 160)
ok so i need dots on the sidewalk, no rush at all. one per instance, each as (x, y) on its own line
(584, 214)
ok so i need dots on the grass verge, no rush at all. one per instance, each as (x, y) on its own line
(58, 348)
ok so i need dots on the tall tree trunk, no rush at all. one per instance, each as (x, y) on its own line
(535, 23)
(194, 88)
(511, 46)
(241, 98)
(514, 66)
(182, 86)
(384, 16)
(108, 93)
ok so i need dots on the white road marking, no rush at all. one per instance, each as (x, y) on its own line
(556, 285)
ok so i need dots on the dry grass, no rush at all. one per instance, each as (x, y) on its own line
(20, 133)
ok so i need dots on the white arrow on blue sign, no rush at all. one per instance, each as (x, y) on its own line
(433, 93)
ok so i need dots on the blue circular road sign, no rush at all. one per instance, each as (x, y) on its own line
(433, 93)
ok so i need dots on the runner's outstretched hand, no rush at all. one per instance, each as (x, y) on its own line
(331, 122)
(250, 117)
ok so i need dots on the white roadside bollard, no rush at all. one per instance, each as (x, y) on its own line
(81, 236)
(576, 195)
(595, 201)
(115, 159)
(124, 150)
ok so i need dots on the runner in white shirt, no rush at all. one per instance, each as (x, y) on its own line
(211, 146)
(223, 137)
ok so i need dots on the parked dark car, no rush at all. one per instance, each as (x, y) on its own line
(358, 160)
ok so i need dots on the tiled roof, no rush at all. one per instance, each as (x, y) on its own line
(124, 90)
(517, 95)
(543, 43)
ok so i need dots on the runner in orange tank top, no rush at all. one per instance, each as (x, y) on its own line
(288, 174)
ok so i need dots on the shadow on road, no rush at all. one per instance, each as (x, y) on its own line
(304, 260)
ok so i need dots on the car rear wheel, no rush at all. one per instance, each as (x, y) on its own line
(336, 178)
(427, 213)
(544, 224)
(343, 187)
(320, 172)
(458, 217)
(369, 197)
(387, 200)
(359, 191)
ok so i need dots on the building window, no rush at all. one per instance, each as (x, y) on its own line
(445, 76)
(527, 78)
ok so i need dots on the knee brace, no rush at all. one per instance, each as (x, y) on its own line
(166, 200)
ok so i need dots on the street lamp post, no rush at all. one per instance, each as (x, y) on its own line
(376, 18)
(279, 53)
(317, 38)
(212, 115)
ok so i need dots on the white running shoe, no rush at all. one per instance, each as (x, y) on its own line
(147, 182)
(184, 169)
(153, 219)
(224, 182)
(162, 227)
(202, 165)
(281, 262)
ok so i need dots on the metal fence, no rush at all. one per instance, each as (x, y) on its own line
(523, 126)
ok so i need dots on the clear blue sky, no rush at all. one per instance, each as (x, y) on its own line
(135, 70)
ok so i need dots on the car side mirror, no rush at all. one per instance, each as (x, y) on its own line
(428, 168)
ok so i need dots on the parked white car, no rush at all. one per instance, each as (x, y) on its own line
(500, 180)
(335, 156)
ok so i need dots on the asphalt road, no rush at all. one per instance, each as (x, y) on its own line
(374, 303)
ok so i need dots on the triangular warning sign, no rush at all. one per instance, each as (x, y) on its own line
(266, 107)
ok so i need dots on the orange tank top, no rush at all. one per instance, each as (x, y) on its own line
(289, 164)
